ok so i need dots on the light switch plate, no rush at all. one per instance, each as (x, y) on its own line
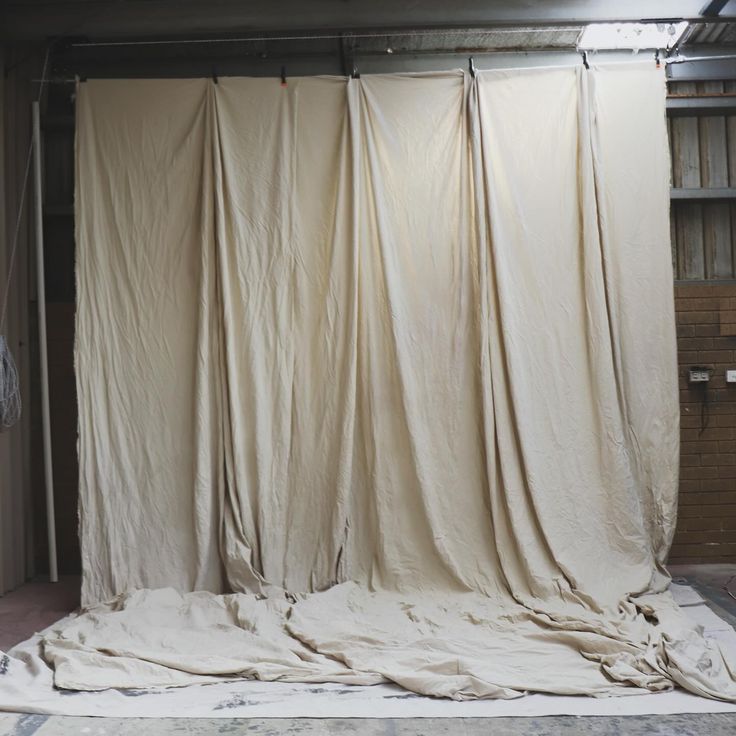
(699, 375)
(731, 376)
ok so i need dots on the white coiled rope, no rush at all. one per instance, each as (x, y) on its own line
(10, 405)
(9, 388)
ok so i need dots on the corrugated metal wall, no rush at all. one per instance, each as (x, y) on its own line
(703, 155)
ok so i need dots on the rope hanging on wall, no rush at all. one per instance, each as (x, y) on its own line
(9, 388)
(10, 403)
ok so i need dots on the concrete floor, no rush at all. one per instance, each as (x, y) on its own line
(33, 607)
(38, 604)
(706, 725)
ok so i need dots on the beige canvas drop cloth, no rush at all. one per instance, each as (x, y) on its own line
(392, 359)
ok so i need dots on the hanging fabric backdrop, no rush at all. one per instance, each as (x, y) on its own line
(393, 359)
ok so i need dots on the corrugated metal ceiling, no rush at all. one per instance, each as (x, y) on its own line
(470, 39)
(720, 34)
(519, 38)
(516, 39)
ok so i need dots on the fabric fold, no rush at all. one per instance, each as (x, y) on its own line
(287, 265)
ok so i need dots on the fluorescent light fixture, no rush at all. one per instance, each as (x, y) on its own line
(634, 36)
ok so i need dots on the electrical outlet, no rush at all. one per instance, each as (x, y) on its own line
(699, 375)
(730, 376)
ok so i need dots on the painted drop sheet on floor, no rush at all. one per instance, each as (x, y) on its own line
(27, 686)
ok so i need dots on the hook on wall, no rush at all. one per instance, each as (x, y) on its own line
(214, 76)
(283, 76)
(584, 54)
(356, 73)
(471, 67)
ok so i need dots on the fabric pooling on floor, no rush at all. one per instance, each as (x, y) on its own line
(397, 362)
(459, 646)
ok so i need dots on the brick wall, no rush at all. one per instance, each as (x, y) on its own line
(706, 336)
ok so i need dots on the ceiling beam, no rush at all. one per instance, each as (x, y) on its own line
(713, 8)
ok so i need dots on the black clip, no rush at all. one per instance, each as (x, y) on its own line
(283, 76)
(584, 54)
(471, 67)
(214, 76)
(356, 73)
(656, 58)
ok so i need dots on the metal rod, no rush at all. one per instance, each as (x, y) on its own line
(43, 348)
(399, 57)
(686, 59)
(490, 52)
